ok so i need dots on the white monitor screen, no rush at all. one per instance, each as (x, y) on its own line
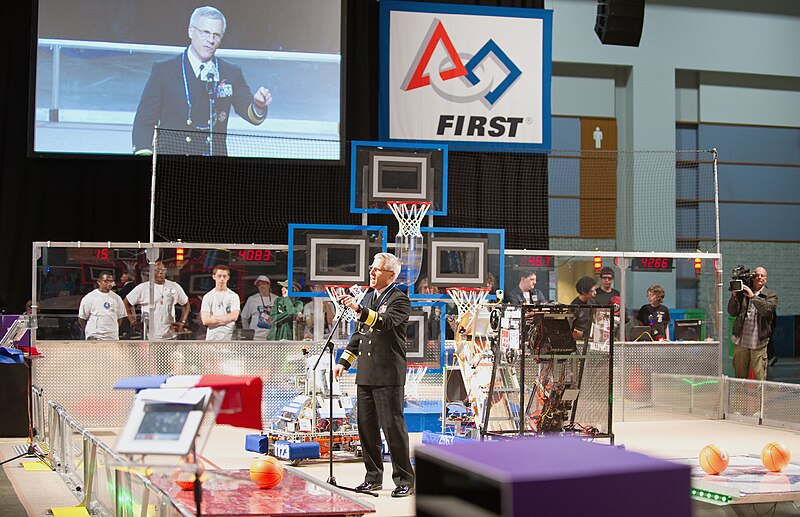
(108, 70)
(161, 425)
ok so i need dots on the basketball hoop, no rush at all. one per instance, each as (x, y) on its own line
(409, 214)
(408, 243)
(468, 299)
(335, 292)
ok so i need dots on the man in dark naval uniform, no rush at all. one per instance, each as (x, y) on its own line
(178, 94)
(379, 346)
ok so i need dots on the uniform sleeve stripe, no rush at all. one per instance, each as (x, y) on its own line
(253, 116)
(348, 356)
(372, 317)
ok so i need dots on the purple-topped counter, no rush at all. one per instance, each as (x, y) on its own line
(6, 320)
(550, 476)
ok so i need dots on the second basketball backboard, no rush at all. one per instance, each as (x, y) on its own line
(330, 254)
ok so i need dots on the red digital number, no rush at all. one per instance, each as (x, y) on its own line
(101, 254)
(539, 260)
(654, 263)
(254, 255)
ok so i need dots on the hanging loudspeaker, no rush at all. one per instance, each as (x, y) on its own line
(619, 22)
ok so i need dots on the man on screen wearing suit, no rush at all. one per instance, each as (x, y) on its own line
(380, 347)
(178, 93)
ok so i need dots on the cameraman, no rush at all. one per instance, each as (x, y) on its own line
(754, 308)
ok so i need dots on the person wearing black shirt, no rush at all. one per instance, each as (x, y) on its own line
(583, 317)
(605, 292)
(654, 314)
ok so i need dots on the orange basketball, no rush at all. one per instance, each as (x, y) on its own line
(266, 472)
(713, 459)
(186, 483)
(185, 478)
(775, 456)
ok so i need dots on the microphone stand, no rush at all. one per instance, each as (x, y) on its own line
(211, 88)
(328, 347)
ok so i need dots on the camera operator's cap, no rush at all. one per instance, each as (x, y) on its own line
(285, 284)
(262, 278)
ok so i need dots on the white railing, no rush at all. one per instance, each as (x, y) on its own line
(106, 483)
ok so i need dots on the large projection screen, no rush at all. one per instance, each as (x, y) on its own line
(94, 58)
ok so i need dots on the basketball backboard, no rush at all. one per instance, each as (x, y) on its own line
(459, 257)
(388, 171)
(321, 255)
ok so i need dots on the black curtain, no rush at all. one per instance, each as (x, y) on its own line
(95, 199)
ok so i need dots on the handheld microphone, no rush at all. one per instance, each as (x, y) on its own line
(357, 293)
(211, 84)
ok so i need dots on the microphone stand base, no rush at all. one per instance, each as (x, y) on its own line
(332, 482)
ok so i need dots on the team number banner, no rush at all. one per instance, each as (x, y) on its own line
(466, 75)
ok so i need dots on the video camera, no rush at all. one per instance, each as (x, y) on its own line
(741, 277)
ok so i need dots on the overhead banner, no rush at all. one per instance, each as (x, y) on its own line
(470, 76)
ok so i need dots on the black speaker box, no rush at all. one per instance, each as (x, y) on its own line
(619, 22)
(13, 400)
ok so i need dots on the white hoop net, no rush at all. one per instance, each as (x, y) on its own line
(409, 214)
(469, 300)
(414, 375)
(335, 292)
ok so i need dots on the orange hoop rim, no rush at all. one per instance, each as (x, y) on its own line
(401, 202)
(448, 289)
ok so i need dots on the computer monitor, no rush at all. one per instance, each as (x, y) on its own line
(688, 330)
(558, 338)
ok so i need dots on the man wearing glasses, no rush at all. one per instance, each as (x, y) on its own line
(605, 293)
(380, 347)
(181, 90)
(101, 310)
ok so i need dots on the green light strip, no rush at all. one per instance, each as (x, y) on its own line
(693, 384)
(711, 496)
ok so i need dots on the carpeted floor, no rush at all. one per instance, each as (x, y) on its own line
(10, 506)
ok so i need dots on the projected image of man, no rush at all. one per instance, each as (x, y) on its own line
(181, 91)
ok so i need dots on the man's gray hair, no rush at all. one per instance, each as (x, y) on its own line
(390, 262)
(208, 12)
